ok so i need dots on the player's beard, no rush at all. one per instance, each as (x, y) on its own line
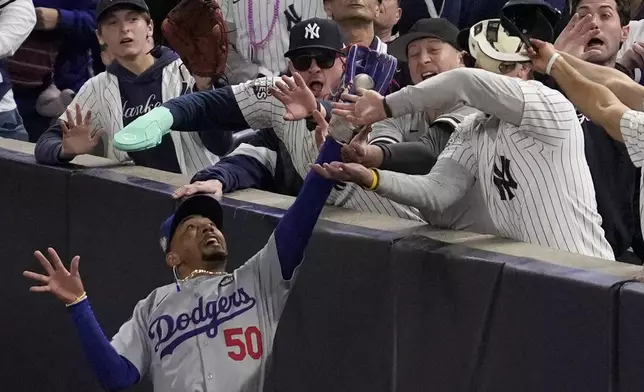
(214, 256)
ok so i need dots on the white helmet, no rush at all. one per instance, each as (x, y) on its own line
(493, 48)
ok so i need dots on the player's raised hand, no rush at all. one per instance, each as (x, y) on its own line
(345, 172)
(77, 133)
(66, 285)
(365, 108)
(211, 186)
(296, 96)
(575, 36)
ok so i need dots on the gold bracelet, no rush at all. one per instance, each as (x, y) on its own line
(375, 181)
(78, 300)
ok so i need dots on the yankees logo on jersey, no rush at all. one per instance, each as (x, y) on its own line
(503, 179)
(262, 27)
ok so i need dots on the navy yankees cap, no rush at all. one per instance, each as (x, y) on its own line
(438, 28)
(106, 5)
(203, 205)
(315, 33)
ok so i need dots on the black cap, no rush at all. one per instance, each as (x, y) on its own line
(439, 28)
(315, 33)
(203, 205)
(106, 5)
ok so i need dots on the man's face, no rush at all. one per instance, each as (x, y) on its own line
(321, 70)
(611, 35)
(343, 10)
(198, 243)
(125, 32)
(427, 57)
(389, 15)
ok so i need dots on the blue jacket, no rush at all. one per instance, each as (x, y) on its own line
(78, 26)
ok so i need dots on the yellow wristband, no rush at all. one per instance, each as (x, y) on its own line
(375, 181)
(78, 300)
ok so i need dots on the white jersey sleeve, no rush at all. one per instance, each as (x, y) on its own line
(259, 108)
(391, 130)
(131, 341)
(632, 128)
(459, 148)
(267, 273)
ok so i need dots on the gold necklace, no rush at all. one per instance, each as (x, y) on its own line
(201, 272)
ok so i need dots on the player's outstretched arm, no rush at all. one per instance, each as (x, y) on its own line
(296, 226)
(497, 95)
(113, 371)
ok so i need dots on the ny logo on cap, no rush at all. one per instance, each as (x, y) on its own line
(312, 31)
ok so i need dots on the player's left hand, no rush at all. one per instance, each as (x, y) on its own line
(365, 108)
(66, 285)
(345, 172)
(46, 18)
(321, 130)
(296, 96)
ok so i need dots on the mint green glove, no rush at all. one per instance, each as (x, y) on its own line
(145, 132)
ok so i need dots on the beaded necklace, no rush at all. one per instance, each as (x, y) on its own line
(251, 25)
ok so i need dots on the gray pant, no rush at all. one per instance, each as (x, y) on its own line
(11, 126)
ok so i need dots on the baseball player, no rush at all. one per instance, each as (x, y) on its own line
(209, 330)
(262, 29)
(526, 154)
(606, 95)
(251, 105)
(137, 81)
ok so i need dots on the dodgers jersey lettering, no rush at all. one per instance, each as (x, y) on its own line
(632, 128)
(262, 110)
(272, 21)
(216, 334)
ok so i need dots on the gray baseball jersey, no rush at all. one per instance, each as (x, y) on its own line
(262, 110)
(464, 210)
(216, 334)
(632, 127)
(267, 22)
(528, 157)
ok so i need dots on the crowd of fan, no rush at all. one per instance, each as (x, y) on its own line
(71, 79)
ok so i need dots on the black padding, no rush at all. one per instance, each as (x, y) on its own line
(35, 347)
(336, 331)
(630, 343)
(551, 330)
(444, 299)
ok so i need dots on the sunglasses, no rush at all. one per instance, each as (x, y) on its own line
(324, 60)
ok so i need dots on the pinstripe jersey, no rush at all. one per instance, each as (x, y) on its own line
(528, 156)
(101, 95)
(261, 110)
(289, 12)
(632, 128)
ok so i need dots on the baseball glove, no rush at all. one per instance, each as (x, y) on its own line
(364, 68)
(196, 30)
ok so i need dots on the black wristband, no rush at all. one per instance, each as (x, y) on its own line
(385, 105)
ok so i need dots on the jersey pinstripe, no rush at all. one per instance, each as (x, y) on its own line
(289, 12)
(216, 334)
(101, 95)
(632, 127)
(261, 110)
(534, 175)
